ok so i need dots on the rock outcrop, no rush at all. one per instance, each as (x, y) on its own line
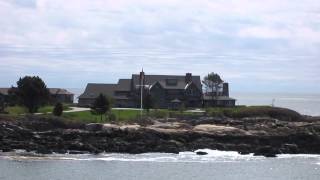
(261, 136)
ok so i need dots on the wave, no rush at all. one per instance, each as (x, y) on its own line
(211, 156)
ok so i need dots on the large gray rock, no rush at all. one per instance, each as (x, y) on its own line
(94, 127)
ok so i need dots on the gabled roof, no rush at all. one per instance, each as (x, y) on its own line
(154, 85)
(93, 90)
(181, 84)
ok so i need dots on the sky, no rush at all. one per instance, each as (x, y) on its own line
(256, 46)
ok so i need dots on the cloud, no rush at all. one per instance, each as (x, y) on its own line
(101, 40)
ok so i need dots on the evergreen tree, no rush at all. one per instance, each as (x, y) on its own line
(31, 92)
(101, 105)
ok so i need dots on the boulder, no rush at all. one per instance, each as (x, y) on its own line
(110, 127)
(201, 153)
(290, 148)
(94, 127)
(266, 151)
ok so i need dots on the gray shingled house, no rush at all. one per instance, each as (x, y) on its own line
(60, 95)
(167, 91)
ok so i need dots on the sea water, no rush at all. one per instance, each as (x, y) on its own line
(307, 104)
(182, 166)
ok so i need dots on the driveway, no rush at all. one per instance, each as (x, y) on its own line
(76, 109)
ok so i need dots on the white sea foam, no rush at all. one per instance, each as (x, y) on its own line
(299, 156)
(211, 156)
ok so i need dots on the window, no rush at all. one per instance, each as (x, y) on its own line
(171, 82)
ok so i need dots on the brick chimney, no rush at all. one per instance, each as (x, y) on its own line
(225, 89)
(188, 78)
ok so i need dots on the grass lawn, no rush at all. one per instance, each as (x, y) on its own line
(16, 110)
(123, 115)
(87, 116)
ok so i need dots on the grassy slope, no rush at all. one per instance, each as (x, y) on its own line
(255, 111)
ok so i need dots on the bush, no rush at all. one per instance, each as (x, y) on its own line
(58, 109)
(255, 111)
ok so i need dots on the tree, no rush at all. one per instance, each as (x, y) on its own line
(101, 105)
(31, 92)
(212, 83)
(2, 103)
(147, 102)
(58, 109)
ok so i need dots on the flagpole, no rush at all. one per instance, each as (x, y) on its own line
(141, 98)
(141, 92)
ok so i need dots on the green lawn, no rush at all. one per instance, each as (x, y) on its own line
(87, 116)
(15, 110)
(123, 115)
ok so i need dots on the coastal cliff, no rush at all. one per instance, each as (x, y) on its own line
(259, 135)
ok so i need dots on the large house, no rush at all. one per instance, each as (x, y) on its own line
(166, 91)
(56, 95)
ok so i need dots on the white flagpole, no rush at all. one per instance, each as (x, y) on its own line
(141, 92)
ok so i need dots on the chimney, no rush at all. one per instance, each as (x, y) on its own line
(225, 89)
(188, 78)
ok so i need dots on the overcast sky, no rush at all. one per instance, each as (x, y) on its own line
(255, 45)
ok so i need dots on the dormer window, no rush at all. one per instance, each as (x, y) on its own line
(171, 82)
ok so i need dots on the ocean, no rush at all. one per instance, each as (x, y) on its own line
(306, 104)
(159, 166)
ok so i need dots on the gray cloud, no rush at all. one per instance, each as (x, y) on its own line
(268, 45)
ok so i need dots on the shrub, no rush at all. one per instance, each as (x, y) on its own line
(58, 109)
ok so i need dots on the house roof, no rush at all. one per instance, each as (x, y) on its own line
(4, 91)
(59, 91)
(124, 85)
(181, 84)
(51, 90)
(93, 90)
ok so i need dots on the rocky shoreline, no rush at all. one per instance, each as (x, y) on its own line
(259, 135)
